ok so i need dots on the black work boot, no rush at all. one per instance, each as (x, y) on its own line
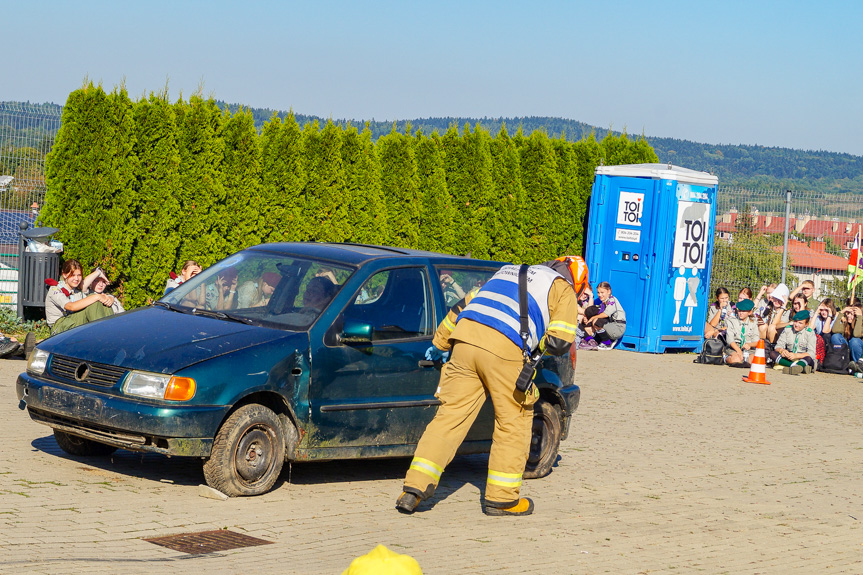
(407, 502)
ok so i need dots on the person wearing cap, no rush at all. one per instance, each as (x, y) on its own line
(774, 315)
(487, 355)
(795, 349)
(741, 334)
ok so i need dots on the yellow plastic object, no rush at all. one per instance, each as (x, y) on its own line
(180, 389)
(382, 561)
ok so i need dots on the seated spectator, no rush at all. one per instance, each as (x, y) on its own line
(606, 323)
(743, 294)
(585, 300)
(775, 315)
(806, 288)
(822, 321)
(794, 352)
(780, 322)
(258, 294)
(222, 294)
(98, 286)
(741, 334)
(190, 269)
(717, 314)
(452, 292)
(319, 291)
(848, 327)
(763, 298)
(67, 307)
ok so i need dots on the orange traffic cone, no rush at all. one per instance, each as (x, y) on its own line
(759, 366)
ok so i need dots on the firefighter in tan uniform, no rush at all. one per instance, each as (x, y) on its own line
(483, 332)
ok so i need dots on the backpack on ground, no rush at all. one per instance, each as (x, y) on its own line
(711, 353)
(836, 358)
(821, 348)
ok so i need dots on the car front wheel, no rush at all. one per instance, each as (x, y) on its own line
(544, 440)
(248, 452)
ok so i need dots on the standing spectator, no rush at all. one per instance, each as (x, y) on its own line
(822, 321)
(795, 349)
(65, 305)
(849, 327)
(717, 314)
(741, 335)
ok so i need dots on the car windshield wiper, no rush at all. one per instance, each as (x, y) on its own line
(221, 315)
(171, 306)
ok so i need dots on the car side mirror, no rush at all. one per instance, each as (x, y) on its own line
(355, 332)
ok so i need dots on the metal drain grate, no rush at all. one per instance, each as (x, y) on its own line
(207, 541)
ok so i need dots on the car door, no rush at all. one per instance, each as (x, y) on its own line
(377, 391)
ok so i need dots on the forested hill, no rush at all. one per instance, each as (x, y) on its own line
(746, 166)
(736, 165)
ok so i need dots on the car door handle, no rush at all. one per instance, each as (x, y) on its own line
(425, 363)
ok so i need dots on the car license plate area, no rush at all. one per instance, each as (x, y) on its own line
(70, 403)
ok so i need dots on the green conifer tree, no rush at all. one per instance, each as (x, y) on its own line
(325, 194)
(587, 155)
(541, 183)
(508, 212)
(283, 180)
(436, 205)
(399, 188)
(366, 210)
(201, 150)
(240, 223)
(155, 209)
(569, 237)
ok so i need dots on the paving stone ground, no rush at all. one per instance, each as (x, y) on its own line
(670, 467)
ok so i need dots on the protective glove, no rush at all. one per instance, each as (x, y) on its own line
(435, 354)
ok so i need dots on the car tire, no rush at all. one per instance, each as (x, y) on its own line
(544, 440)
(74, 445)
(248, 453)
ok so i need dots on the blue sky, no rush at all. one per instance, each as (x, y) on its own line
(784, 74)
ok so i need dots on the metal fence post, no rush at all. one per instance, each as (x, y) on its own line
(785, 238)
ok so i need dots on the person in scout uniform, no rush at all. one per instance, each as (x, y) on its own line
(483, 332)
(741, 334)
(67, 307)
(794, 352)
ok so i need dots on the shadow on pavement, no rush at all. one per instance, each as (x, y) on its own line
(150, 466)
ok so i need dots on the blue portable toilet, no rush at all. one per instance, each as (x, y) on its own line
(650, 235)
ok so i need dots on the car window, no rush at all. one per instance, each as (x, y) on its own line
(456, 282)
(396, 303)
(266, 288)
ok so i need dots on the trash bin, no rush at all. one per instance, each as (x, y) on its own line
(33, 269)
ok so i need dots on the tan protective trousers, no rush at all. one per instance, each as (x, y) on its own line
(470, 373)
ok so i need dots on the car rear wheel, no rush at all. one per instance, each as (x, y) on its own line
(544, 440)
(248, 452)
(74, 445)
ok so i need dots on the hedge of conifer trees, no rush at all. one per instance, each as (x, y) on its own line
(139, 187)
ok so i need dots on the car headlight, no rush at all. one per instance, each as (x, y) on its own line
(159, 386)
(38, 361)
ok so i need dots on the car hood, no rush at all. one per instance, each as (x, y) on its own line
(159, 340)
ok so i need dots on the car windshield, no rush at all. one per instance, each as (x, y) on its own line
(261, 288)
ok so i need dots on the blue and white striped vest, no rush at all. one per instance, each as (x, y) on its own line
(496, 304)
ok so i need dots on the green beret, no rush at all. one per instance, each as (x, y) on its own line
(802, 315)
(745, 305)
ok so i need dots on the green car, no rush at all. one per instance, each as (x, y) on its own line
(281, 352)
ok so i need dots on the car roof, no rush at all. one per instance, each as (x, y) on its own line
(359, 254)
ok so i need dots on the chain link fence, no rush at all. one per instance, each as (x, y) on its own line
(750, 248)
(26, 136)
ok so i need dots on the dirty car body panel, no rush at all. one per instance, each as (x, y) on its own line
(349, 373)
